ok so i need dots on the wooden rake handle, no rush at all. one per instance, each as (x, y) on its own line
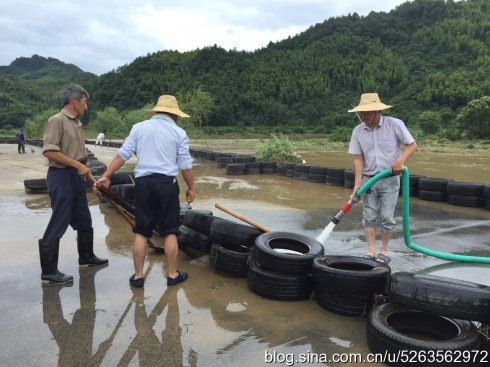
(241, 217)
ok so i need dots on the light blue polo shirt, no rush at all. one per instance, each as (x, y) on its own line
(380, 146)
(160, 145)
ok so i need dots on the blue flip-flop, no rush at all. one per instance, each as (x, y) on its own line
(382, 258)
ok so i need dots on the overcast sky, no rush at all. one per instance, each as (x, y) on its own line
(101, 35)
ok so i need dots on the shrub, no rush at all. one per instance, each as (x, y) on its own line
(278, 149)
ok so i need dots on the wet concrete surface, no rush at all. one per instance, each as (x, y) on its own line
(212, 319)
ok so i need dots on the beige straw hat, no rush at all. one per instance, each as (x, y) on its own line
(167, 103)
(370, 102)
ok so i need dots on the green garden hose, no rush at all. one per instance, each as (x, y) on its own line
(406, 221)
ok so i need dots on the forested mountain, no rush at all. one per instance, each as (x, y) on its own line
(31, 85)
(423, 56)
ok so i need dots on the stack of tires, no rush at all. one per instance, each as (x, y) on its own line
(317, 174)
(467, 194)
(348, 285)
(433, 189)
(335, 176)
(231, 246)
(268, 168)
(281, 264)
(349, 178)
(413, 185)
(97, 168)
(36, 186)
(301, 171)
(429, 316)
(235, 169)
(194, 237)
(222, 161)
(253, 168)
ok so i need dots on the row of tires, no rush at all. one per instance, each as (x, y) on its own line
(97, 168)
(468, 194)
(405, 311)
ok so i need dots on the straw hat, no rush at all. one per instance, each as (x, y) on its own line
(370, 102)
(167, 103)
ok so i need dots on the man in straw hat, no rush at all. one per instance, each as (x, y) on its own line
(375, 146)
(162, 148)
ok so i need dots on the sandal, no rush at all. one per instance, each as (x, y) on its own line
(367, 256)
(179, 279)
(382, 258)
(138, 283)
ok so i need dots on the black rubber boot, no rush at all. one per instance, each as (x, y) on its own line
(85, 243)
(48, 254)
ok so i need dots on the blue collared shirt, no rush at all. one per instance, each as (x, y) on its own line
(380, 146)
(160, 145)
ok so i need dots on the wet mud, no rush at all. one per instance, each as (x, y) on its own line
(212, 319)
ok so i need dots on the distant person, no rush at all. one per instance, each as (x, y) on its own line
(100, 139)
(375, 146)
(21, 148)
(65, 149)
(163, 149)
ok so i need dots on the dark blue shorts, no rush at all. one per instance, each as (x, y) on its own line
(157, 203)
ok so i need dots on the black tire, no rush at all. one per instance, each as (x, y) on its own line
(465, 188)
(304, 168)
(432, 195)
(313, 177)
(486, 191)
(192, 242)
(352, 305)
(351, 275)
(349, 175)
(120, 178)
(281, 168)
(223, 161)
(278, 286)
(235, 169)
(37, 185)
(443, 296)
(233, 262)
(486, 204)
(336, 172)
(243, 159)
(467, 201)
(232, 235)
(318, 170)
(199, 220)
(394, 328)
(433, 183)
(126, 192)
(338, 181)
(306, 248)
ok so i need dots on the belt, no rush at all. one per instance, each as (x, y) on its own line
(368, 176)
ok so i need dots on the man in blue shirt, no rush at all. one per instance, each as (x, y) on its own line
(162, 149)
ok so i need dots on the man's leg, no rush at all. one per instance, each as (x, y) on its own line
(370, 233)
(370, 204)
(388, 198)
(139, 253)
(171, 248)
